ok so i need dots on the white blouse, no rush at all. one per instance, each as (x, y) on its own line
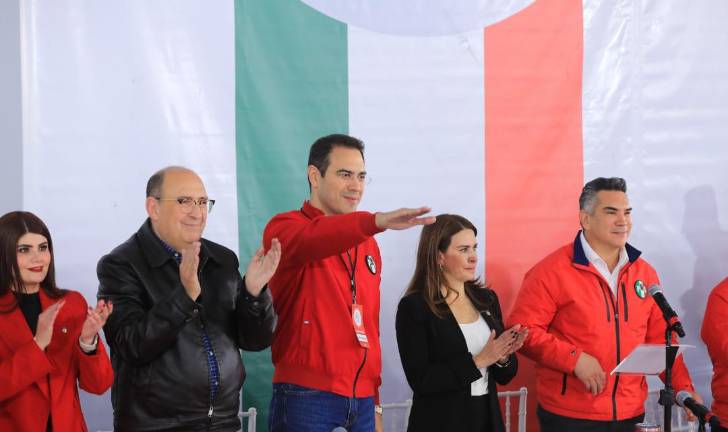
(476, 335)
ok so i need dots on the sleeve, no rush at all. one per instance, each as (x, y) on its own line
(134, 332)
(502, 375)
(256, 319)
(21, 369)
(305, 240)
(95, 374)
(424, 375)
(535, 308)
(714, 331)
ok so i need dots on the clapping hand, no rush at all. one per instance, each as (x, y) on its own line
(262, 267)
(46, 319)
(95, 320)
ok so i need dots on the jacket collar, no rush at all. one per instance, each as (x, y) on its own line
(581, 259)
(310, 211)
(155, 252)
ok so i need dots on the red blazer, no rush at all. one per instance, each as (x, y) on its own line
(34, 383)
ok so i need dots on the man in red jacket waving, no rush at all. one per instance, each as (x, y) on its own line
(326, 349)
(586, 308)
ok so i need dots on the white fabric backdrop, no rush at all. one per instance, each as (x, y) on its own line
(112, 91)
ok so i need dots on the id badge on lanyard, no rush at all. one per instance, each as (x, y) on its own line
(357, 310)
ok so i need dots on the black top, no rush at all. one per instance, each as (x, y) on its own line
(440, 369)
(30, 305)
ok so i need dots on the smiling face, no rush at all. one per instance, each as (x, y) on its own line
(460, 259)
(340, 190)
(34, 260)
(170, 221)
(608, 227)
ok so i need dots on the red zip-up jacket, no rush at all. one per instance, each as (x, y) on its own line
(715, 335)
(314, 344)
(569, 309)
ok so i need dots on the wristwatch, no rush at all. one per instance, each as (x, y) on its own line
(378, 409)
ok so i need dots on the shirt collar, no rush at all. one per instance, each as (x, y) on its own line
(594, 257)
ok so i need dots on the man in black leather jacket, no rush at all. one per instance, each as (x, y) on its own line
(181, 314)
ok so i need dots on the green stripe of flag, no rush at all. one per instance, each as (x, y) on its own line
(291, 87)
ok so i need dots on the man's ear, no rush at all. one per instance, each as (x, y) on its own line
(152, 206)
(584, 220)
(314, 176)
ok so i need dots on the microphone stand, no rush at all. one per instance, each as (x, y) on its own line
(667, 395)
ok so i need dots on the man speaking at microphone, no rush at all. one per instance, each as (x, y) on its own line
(586, 307)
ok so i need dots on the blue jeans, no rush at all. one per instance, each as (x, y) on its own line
(301, 409)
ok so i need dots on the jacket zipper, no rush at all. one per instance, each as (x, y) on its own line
(615, 308)
(358, 371)
(624, 298)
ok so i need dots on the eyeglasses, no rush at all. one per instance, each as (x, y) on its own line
(188, 203)
(347, 176)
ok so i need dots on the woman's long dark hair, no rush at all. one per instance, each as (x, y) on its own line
(428, 277)
(14, 225)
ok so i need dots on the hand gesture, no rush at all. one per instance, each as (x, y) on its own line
(590, 372)
(403, 218)
(262, 267)
(495, 349)
(519, 335)
(188, 270)
(95, 319)
(46, 319)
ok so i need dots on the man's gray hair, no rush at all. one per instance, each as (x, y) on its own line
(155, 182)
(588, 197)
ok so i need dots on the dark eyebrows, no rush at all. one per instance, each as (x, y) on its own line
(609, 208)
(45, 243)
(343, 170)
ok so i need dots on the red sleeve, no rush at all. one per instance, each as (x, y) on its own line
(24, 367)
(715, 325)
(304, 240)
(535, 308)
(95, 374)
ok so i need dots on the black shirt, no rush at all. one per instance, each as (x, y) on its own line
(30, 305)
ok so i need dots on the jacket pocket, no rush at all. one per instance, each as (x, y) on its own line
(563, 384)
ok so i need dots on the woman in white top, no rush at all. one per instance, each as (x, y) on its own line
(450, 335)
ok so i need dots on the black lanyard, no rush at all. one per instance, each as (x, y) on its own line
(351, 273)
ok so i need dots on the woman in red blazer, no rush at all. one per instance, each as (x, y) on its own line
(49, 341)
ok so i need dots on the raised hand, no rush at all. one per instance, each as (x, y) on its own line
(262, 267)
(46, 319)
(188, 270)
(95, 319)
(590, 372)
(403, 218)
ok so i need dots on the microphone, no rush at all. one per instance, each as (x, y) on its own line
(670, 316)
(685, 399)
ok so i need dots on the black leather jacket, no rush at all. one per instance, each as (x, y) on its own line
(155, 335)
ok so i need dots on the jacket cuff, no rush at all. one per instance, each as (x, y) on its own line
(465, 369)
(369, 225)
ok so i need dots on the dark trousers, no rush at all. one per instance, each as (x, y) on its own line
(551, 422)
(479, 421)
